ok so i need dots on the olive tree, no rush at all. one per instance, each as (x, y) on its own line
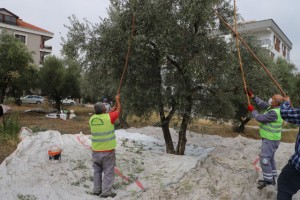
(180, 64)
(59, 79)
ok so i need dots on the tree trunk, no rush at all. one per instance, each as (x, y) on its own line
(241, 127)
(167, 135)
(2, 95)
(180, 149)
(165, 122)
(57, 104)
(122, 120)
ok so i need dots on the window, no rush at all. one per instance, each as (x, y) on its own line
(283, 50)
(42, 57)
(1, 17)
(22, 38)
(42, 45)
(10, 20)
(277, 43)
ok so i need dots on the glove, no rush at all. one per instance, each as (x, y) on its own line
(250, 93)
(251, 108)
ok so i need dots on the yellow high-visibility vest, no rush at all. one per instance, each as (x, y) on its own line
(103, 132)
(272, 130)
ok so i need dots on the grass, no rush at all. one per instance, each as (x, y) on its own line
(9, 129)
(38, 122)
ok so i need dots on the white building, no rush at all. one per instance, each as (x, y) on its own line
(270, 35)
(32, 36)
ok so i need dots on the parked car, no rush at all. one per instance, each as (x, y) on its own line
(68, 102)
(32, 99)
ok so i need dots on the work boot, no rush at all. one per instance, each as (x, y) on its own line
(97, 193)
(273, 182)
(264, 183)
(112, 195)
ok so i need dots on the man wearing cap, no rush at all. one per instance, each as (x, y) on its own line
(270, 132)
(103, 147)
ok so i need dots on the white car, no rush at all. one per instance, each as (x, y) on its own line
(68, 102)
(32, 99)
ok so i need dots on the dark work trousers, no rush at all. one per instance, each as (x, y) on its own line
(267, 161)
(104, 162)
(288, 182)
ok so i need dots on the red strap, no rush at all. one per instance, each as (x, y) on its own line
(79, 140)
(255, 164)
(117, 171)
(137, 182)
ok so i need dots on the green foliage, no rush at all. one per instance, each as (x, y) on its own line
(165, 30)
(178, 61)
(60, 79)
(10, 127)
(15, 68)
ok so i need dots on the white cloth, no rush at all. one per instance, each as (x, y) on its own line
(5, 108)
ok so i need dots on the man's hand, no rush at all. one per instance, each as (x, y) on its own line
(250, 93)
(251, 108)
(117, 97)
(286, 99)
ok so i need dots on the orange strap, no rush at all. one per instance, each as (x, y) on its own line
(127, 56)
(251, 52)
(239, 54)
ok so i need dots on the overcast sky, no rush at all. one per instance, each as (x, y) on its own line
(52, 15)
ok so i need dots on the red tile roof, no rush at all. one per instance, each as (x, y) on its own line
(30, 26)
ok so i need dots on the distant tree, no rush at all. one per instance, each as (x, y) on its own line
(28, 81)
(59, 79)
(15, 66)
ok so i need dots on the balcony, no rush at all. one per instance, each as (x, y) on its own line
(46, 49)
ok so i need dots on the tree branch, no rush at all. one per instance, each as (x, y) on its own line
(173, 106)
(201, 87)
(173, 62)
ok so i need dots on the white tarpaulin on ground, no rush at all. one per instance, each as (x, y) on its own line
(213, 167)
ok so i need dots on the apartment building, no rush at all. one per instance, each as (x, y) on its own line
(270, 36)
(32, 36)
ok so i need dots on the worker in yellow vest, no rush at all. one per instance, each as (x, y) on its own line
(270, 132)
(103, 147)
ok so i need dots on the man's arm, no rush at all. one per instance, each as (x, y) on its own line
(262, 104)
(290, 114)
(270, 116)
(118, 104)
